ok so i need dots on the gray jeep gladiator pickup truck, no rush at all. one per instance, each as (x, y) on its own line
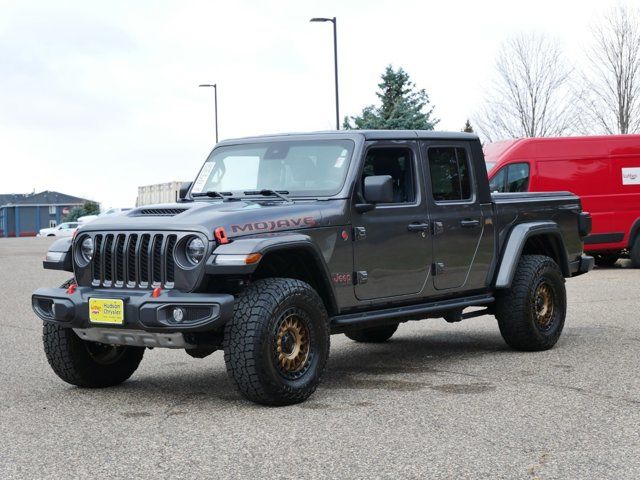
(283, 240)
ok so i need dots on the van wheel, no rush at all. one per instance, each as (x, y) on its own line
(606, 259)
(373, 334)
(635, 252)
(277, 344)
(531, 313)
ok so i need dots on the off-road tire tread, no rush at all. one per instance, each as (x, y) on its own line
(511, 306)
(247, 330)
(70, 361)
(373, 334)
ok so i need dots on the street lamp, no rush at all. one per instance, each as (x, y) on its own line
(335, 60)
(215, 100)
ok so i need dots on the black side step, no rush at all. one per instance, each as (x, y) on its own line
(340, 323)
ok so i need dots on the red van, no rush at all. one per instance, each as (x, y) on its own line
(603, 170)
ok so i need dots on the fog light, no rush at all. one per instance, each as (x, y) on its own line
(178, 314)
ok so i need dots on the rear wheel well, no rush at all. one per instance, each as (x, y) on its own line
(300, 264)
(550, 246)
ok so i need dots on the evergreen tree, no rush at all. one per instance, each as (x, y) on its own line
(402, 106)
(467, 127)
(89, 208)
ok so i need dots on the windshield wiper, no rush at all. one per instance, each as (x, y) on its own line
(268, 193)
(212, 194)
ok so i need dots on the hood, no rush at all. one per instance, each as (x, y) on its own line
(238, 218)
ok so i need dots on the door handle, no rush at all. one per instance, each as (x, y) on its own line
(418, 227)
(468, 223)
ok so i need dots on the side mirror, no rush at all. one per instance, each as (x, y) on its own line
(378, 189)
(184, 189)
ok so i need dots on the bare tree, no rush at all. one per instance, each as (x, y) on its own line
(610, 90)
(530, 93)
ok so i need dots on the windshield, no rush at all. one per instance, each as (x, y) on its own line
(490, 165)
(300, 168)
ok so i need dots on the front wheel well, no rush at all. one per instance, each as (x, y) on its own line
(301, 264)
(550, 246)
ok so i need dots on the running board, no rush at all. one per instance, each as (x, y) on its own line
(349, 321)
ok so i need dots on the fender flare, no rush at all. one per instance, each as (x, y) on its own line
(59, 255)
(268, 244)
(515, 243)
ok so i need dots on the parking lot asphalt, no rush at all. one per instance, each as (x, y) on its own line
(437, 401)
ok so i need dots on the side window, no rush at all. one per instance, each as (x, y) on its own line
(497, 182)
(52, 224)
(396, 162)
(518, 177)
(450, 173)
(52, 209)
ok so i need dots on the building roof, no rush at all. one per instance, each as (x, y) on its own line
(43, 198)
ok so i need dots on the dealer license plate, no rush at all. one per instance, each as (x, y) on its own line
(106, 310)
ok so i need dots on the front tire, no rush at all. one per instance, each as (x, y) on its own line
(88, 364)
(277, 344)
(373, 334)
(532, 312)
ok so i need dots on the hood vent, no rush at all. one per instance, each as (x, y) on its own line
(158, 212)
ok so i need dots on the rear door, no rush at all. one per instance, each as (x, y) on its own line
(456, 215)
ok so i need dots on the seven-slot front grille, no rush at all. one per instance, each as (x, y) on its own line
(133, 260)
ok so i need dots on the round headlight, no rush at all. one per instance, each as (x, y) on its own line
(195, 250)
(86, 249)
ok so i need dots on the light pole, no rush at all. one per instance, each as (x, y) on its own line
(335, 60)
(215, 101)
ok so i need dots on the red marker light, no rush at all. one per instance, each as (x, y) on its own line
(221, 236)
(72, 289)
(345, 235)
(156, 292)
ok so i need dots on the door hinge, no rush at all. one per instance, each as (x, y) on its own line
(361, 277)
(359, 233)
(437, 268)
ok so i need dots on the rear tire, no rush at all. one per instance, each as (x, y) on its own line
(88, 364)
(373, 334)
(606, 259)
(277, 344)
(532, 312)
(634, 254)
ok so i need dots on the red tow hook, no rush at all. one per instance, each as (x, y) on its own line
(221, 236)
(72, 289)
(156, 292)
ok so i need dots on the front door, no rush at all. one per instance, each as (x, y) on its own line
(456, 215)
(392, 249)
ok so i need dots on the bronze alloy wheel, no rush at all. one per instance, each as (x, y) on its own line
(293, 344)
(104, 354)
(544, 306)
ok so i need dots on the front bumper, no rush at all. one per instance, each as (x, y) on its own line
(142, 311)
(583, 265)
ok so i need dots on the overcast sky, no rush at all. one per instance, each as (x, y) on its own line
(97, 98)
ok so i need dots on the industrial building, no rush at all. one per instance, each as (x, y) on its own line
(23, 215)
(160, 193)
